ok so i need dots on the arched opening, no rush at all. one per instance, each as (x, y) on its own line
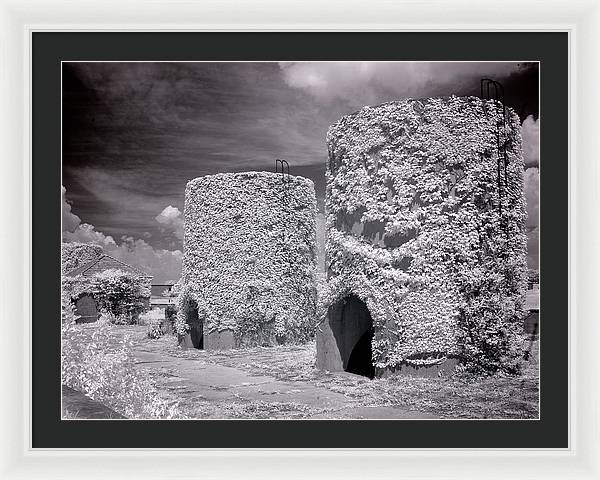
(196, 331)
(352, 328)
(86, 309)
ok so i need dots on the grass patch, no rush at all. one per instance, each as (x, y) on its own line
(456, 396)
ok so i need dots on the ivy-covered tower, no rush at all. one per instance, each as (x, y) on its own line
(249, 261)
(426, 243)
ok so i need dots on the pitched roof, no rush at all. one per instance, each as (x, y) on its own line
(101, 264)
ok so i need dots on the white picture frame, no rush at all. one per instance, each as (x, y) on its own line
(19, 19)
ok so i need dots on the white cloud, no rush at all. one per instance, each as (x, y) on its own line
(86, 233)
(531, 133)
(70, 221)
(171, 219)
(364, 82)
(164, 265)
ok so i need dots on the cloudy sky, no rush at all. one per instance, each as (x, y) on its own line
(135, 133)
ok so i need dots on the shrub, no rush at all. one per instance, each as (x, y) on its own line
(104, 369)
(121, 294)
(154, 329)
(155, 321)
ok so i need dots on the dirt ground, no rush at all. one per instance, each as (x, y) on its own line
(282, 383)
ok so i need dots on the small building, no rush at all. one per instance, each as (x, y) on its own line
(161, 289)
(162, 295)
(76, 254)
(79, 278)
(162, 302)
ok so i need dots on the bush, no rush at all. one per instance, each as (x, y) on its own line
(155, 321)
(121, 294)
(104, 369)
(154, 329)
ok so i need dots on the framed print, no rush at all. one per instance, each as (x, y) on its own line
(359, 253)
(298, 242)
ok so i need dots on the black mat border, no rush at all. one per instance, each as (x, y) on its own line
(49, 48)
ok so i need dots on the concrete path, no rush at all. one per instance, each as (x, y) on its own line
(227, 392)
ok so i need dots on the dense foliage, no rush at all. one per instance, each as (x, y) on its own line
(121, 294)
(250, 256)
(419, 229)
(105, 370)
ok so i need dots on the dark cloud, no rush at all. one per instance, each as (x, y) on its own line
(365, 83)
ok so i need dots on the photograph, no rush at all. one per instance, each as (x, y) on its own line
(300, 240)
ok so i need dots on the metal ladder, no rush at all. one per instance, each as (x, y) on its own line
(285, 174)
(284, 167)
(493, 90)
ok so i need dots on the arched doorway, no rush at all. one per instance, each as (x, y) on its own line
(352, 327)
(195, 335)
(86, 309)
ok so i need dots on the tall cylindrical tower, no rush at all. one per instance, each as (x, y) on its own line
(425, 236)
(249, 260)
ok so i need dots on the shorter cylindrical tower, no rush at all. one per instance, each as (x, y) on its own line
(249, 260)
(425, 236)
